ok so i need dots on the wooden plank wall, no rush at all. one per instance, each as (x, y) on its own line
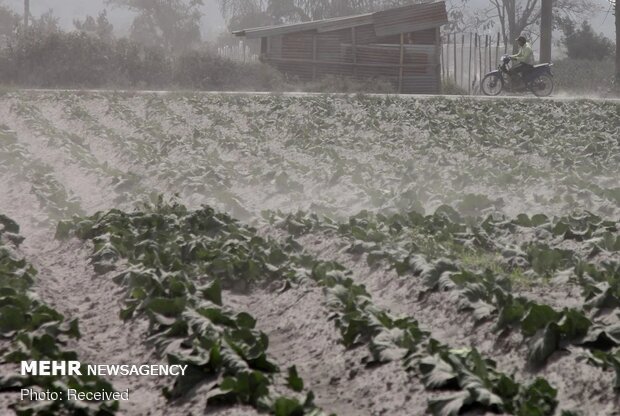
(310, 55)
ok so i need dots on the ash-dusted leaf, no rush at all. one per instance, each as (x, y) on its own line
(538, 317)
(523, 220)
(436, 372)
(536, 399)
(603, 297)
(506, 387)
(8, 225)
(184, 383)
(602, 337)
(11, 319)
(386, 345)
(63, 230)
(573, 325)
(449, 405)
(543, 345)
(166, 307)
(445, 282)
(512, 311)
(245, 320)
(432, 273)
(481, 394)
(482, 310)
(212, 291)
(539, 219)
(284, 406)
(571, 413)
(293, 380)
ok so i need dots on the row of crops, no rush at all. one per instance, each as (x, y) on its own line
(173, 264)
(486, 261)
(31, 330)
(176, 263)
(362, 201)
(332, 155)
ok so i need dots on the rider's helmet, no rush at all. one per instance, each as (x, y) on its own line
(521, 40)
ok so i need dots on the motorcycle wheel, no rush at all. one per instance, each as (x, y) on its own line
(492, 84)
(542, 86)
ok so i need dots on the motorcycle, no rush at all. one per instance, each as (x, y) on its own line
(538, 80)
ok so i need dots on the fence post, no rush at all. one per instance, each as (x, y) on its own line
(485, 56)
(313, 57)
(490, 53)
(480, 67)
(471, 44)
(462, 57)
(475, 60)
(402, 58)
(448, 58)
(353, 49)
(455, 66)
(497, 52)
(437, 60)
(441, 61)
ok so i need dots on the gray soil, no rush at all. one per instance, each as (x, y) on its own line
(296, 320)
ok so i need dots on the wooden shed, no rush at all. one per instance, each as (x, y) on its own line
(402, 45)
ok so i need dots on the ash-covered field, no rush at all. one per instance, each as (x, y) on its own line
(356, 255)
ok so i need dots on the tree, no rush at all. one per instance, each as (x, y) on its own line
(171, 24)
(583, 43)
(253, 13)
(26, 12)
(46, 24)
(546, 30)
(9, 22)
(516, 17)
(100, 27)
(616, 12)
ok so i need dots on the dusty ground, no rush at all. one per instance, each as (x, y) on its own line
(126, 139)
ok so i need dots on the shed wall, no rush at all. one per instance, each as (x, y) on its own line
(311, 55)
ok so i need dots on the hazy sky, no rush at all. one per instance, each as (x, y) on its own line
(212, 23)
(67, 10)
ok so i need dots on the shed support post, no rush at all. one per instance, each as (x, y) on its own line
(26, 12)
(402, 61)
(354, 50)
(438, 59)
(314, 57)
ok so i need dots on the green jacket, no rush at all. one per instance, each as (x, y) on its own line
(525, 55)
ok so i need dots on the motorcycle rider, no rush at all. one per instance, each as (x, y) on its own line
(524, 59)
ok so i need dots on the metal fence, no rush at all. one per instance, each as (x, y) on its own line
(467, 57)
(241, 52)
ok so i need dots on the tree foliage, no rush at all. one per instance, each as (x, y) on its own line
(9, 21)
(516, 17)
(584, 43)
(100, 26)
(249, 13)
(171, 24)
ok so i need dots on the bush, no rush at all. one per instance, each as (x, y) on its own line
(583, 43)
(54, 59)
(341, 84)
(584, 76)
(449, 87)
(205, 70)
(79, 60)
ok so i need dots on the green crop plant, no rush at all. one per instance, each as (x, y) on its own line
(38, 332)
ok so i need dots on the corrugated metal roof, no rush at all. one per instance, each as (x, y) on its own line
(410, 19)
(319, 25)
(393, 21)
